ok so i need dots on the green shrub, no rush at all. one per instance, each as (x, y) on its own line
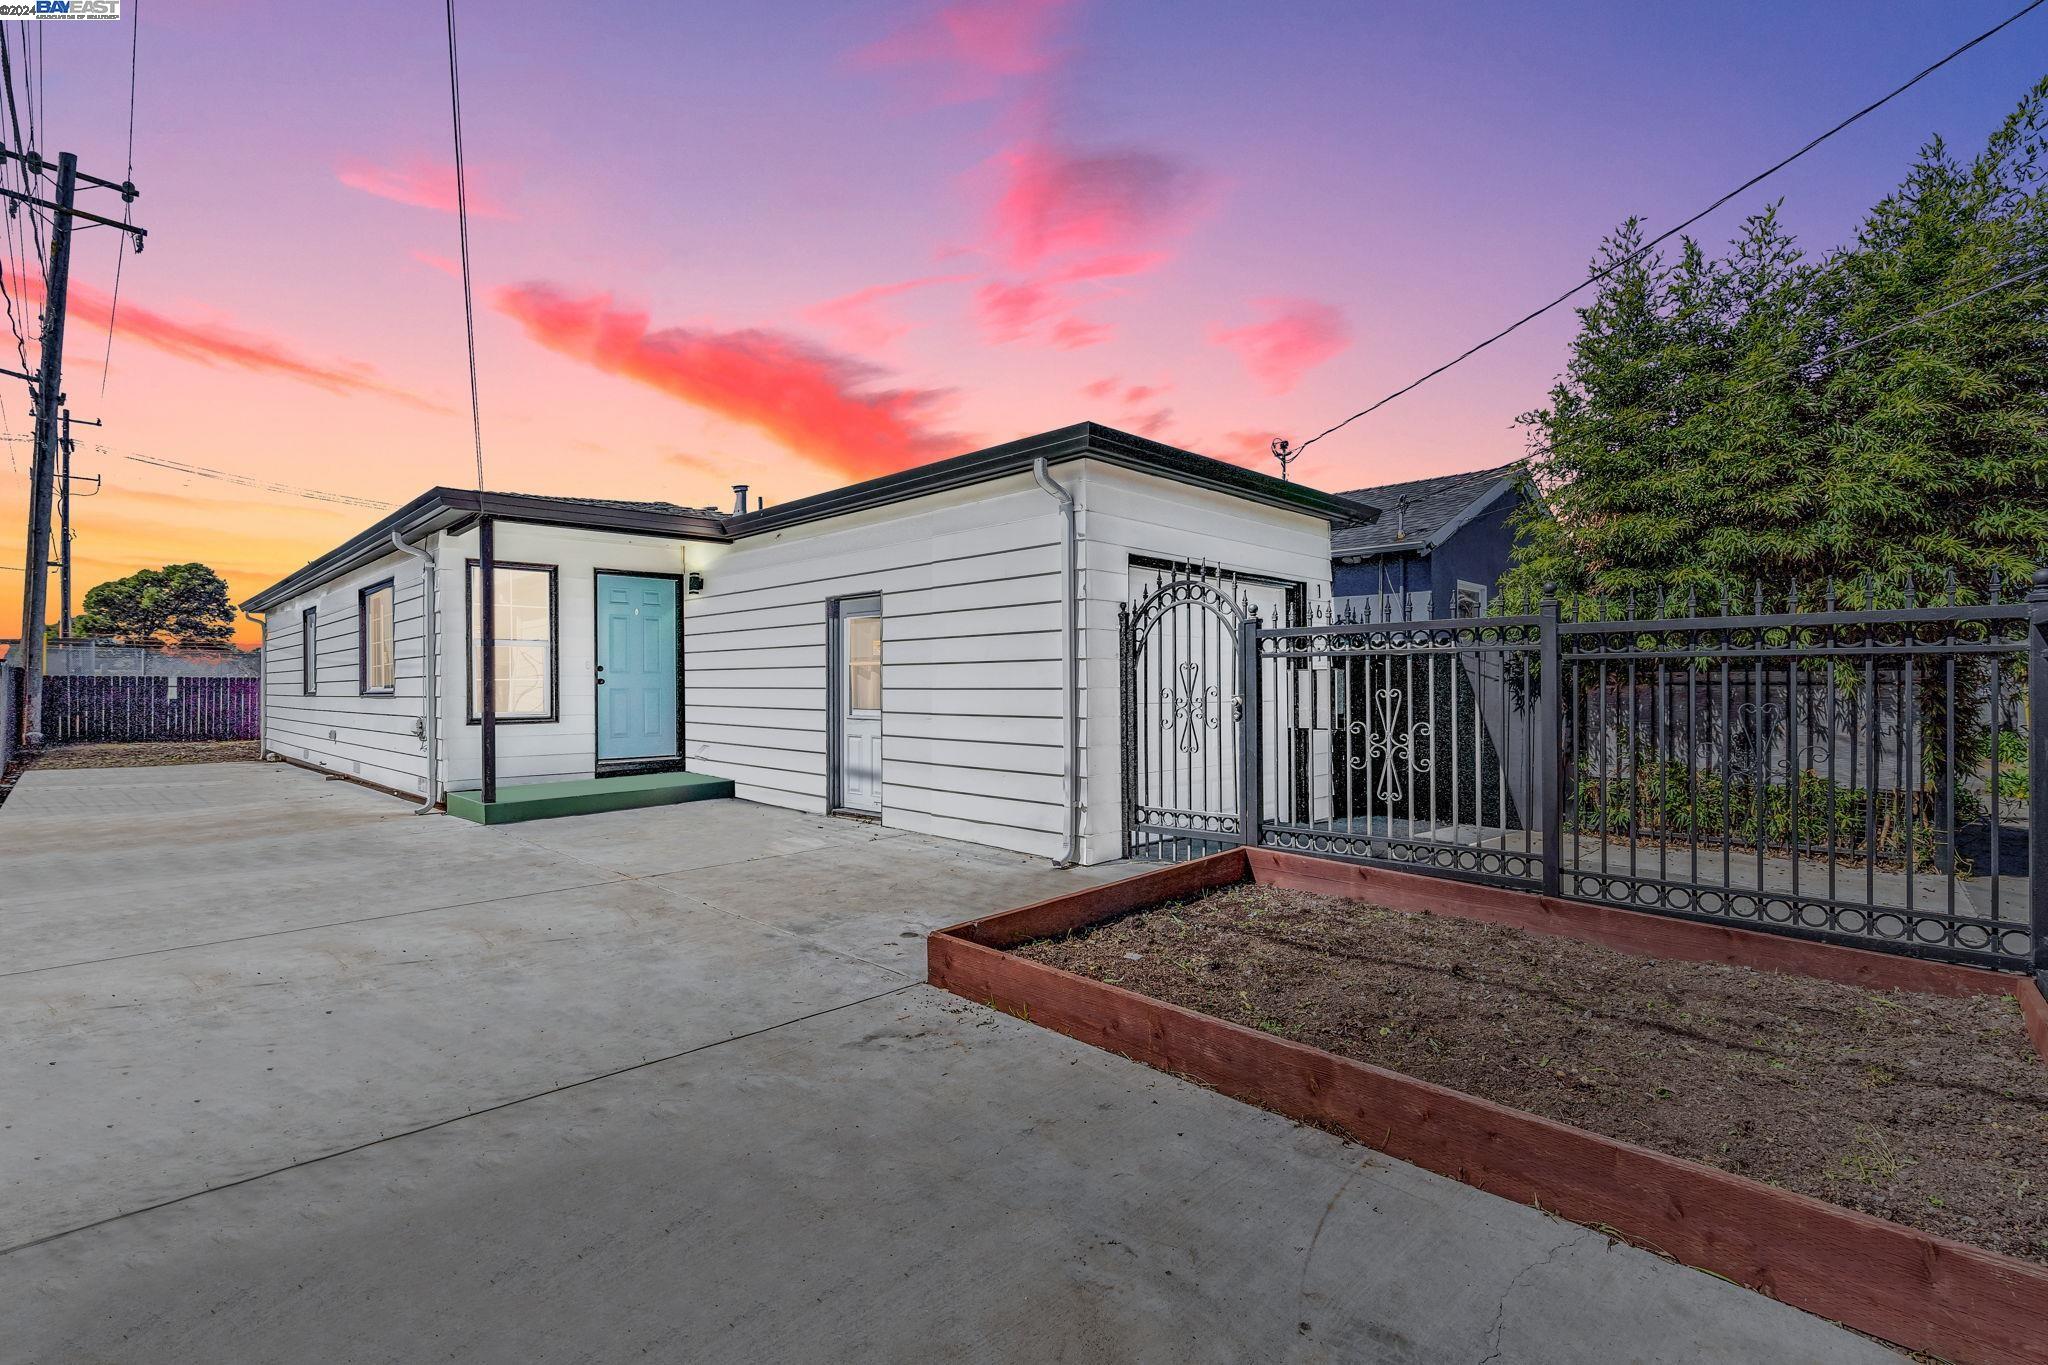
(1666, 800)
(2013, 782)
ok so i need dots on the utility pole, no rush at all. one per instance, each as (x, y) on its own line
(49, 400)
(64, 536)
(64, 481)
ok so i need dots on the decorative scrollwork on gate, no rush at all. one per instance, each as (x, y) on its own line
(1189, 710)
(1391, 745)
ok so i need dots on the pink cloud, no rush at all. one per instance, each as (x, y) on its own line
(1072, 333)
(860, 318)
(1133, 401)
(1296, 336)
(1065, 218)
(818, 403)
(222, 346)
(977, 44)
(1248, 448)
(1009, 311)
(447, 265)
(419, 182)
(1058, 200)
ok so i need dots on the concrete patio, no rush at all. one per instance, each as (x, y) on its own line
(293, 1074)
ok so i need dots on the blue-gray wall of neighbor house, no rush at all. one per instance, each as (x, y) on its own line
(1477, 552)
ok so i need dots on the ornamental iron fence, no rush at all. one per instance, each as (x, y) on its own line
(1851, 764)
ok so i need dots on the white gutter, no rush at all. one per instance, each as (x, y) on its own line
(1071, 703)
(430, 647)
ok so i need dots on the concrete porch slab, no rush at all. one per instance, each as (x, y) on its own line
(549, 800)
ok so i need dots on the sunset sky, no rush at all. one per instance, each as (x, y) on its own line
(799, 244)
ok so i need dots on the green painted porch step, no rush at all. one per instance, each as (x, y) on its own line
(547, 800)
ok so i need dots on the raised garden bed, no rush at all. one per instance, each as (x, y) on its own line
(1861, 1135)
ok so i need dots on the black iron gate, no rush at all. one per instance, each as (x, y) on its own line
(1184, 751)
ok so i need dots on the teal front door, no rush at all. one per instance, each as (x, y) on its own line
(636, 667)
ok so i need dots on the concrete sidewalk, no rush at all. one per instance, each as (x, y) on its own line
(292, 1074)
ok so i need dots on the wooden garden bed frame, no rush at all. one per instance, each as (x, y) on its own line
(1922, 1292)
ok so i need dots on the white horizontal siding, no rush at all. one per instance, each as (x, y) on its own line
(970, 584)
(339, 729)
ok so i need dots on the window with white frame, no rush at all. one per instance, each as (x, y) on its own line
(1470, 600)
(864, 665)
(523, 656)
(377, 658)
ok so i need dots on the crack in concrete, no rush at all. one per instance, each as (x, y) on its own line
(311, 928)
(457, 1118)
(612, 877)
(1500, 1309)
(1308, 1258)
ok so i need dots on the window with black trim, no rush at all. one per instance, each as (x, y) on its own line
(309, 651)
(524, 623)
(376, 650)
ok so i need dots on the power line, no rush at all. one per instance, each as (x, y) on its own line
(1281, 446)
(476, 420)
(114, 304)
(28, 171)
(247, 481)
(14, 234)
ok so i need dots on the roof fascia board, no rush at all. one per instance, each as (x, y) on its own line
(959, 472)
(438, 509)
(1085, 440)
(1472, 509)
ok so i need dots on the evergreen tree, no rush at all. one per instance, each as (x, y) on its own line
(178, 604)
(1756, 417)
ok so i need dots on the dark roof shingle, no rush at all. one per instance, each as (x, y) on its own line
(1431, 505)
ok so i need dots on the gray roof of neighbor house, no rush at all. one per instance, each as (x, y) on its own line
(440, 509)
(1435, 508)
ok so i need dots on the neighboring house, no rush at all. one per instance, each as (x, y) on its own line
(902, 648)
(1438, 549)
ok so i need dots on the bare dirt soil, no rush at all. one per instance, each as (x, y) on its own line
(147, 754)
(1926, 1110)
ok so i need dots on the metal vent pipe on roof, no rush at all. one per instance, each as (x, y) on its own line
(739, 499)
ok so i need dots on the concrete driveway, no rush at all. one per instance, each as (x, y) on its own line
(290, 1074)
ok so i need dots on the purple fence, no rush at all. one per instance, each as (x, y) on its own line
(82, 709)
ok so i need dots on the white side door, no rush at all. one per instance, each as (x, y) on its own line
(858, 721)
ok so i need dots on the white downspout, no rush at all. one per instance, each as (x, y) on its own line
(262, 620)
(1071, 705)
(430, 647)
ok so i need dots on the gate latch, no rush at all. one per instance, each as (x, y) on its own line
(1236, 709)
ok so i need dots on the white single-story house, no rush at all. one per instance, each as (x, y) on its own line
(936, 648)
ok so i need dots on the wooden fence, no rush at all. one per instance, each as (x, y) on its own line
(83, 709)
